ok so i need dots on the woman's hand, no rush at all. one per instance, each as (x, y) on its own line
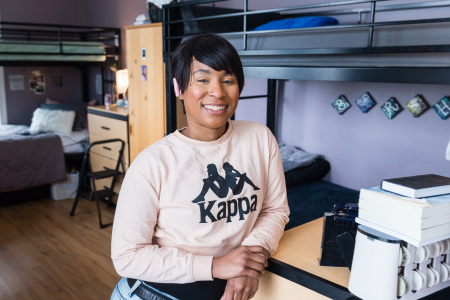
(241, 288)
(244, 261)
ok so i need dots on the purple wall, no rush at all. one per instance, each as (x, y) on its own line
(21, 104)
(115, 13)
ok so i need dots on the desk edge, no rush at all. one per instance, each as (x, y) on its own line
(308, 280)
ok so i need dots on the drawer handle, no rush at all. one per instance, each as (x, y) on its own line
(106, 128)
(107, 148)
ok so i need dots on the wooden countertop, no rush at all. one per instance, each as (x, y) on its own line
(300, 248)
(113, 109)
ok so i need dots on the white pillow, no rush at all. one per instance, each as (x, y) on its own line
(58, 121)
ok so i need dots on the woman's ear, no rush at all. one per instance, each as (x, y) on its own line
(176, 88)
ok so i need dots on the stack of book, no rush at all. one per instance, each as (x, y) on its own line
(142, 19)
(418, 218)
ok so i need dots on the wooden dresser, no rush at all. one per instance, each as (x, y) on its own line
(108, 123)
(146, 94)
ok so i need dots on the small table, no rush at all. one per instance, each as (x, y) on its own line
(294, 271)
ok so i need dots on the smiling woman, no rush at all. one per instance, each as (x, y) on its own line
(196, 216)
(208, 72)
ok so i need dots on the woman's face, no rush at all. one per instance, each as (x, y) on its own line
(211, 97)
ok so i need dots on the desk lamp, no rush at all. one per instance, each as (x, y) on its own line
(122, 82)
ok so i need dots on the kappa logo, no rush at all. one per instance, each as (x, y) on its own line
(230, 208)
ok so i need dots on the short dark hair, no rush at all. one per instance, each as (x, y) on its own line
(209, 49)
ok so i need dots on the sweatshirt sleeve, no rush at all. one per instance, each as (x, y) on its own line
(274, 215)
(132, 251)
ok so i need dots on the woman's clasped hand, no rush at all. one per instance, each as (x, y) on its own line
(242, 267)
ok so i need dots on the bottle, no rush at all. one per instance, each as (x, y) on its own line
(107, 100)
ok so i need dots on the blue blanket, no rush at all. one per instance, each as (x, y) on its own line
(299, 23)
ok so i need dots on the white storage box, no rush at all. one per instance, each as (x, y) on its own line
(65, 189)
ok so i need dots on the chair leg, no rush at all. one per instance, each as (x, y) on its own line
(98, 208)
(75, 203)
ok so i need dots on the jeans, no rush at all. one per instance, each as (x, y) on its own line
(124, 292)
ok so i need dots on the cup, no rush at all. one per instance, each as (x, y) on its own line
(434, 250)
(427, 252)
(419, 256)
(107, 99)
(436, 277)
(405, 256)
(403, 286)
(419, 280)
(446, 244)
(443, 272)
(430, 278)
(441, 247)
(119, 102)
(445, 265)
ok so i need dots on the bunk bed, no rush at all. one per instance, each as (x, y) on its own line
(36, 160)
(402, 51)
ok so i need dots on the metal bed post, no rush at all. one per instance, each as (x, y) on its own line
(244, 46)
(118, 48)
(271, 103)
(59, 40)
(171, 104)
(372, 19)
(102, 70)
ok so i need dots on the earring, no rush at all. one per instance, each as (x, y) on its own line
(176, 88)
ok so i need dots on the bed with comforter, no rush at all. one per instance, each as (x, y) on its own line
(34, 155)
(309, 197)
(29, 160)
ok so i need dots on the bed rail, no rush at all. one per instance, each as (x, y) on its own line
(51, 34)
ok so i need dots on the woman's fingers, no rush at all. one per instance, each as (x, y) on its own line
(256, 266)
(259, 259)
(237, 296)
(228, 294)
(259, 250)
(252, 273)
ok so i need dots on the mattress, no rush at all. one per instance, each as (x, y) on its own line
(75, 142)
(50, 51)
(405, 35)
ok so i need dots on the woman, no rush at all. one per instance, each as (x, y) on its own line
(181, 231)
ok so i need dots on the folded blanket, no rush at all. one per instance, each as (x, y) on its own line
(292, 157)
(298, 23)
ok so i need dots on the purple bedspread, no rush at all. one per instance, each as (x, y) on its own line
(29, 160)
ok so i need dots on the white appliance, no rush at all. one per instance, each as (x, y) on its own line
(376, 267)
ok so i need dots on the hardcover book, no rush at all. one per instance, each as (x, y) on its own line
(416, 208)
(418, 186)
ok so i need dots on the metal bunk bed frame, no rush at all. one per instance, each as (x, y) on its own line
(423, 75)
(43, 34)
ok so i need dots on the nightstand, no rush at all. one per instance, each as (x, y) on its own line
(108, 123)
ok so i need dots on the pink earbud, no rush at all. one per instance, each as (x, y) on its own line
(176, 88)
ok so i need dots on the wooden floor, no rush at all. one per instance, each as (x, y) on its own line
(46, 254)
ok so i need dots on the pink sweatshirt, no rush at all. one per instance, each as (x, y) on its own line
(185, 201)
